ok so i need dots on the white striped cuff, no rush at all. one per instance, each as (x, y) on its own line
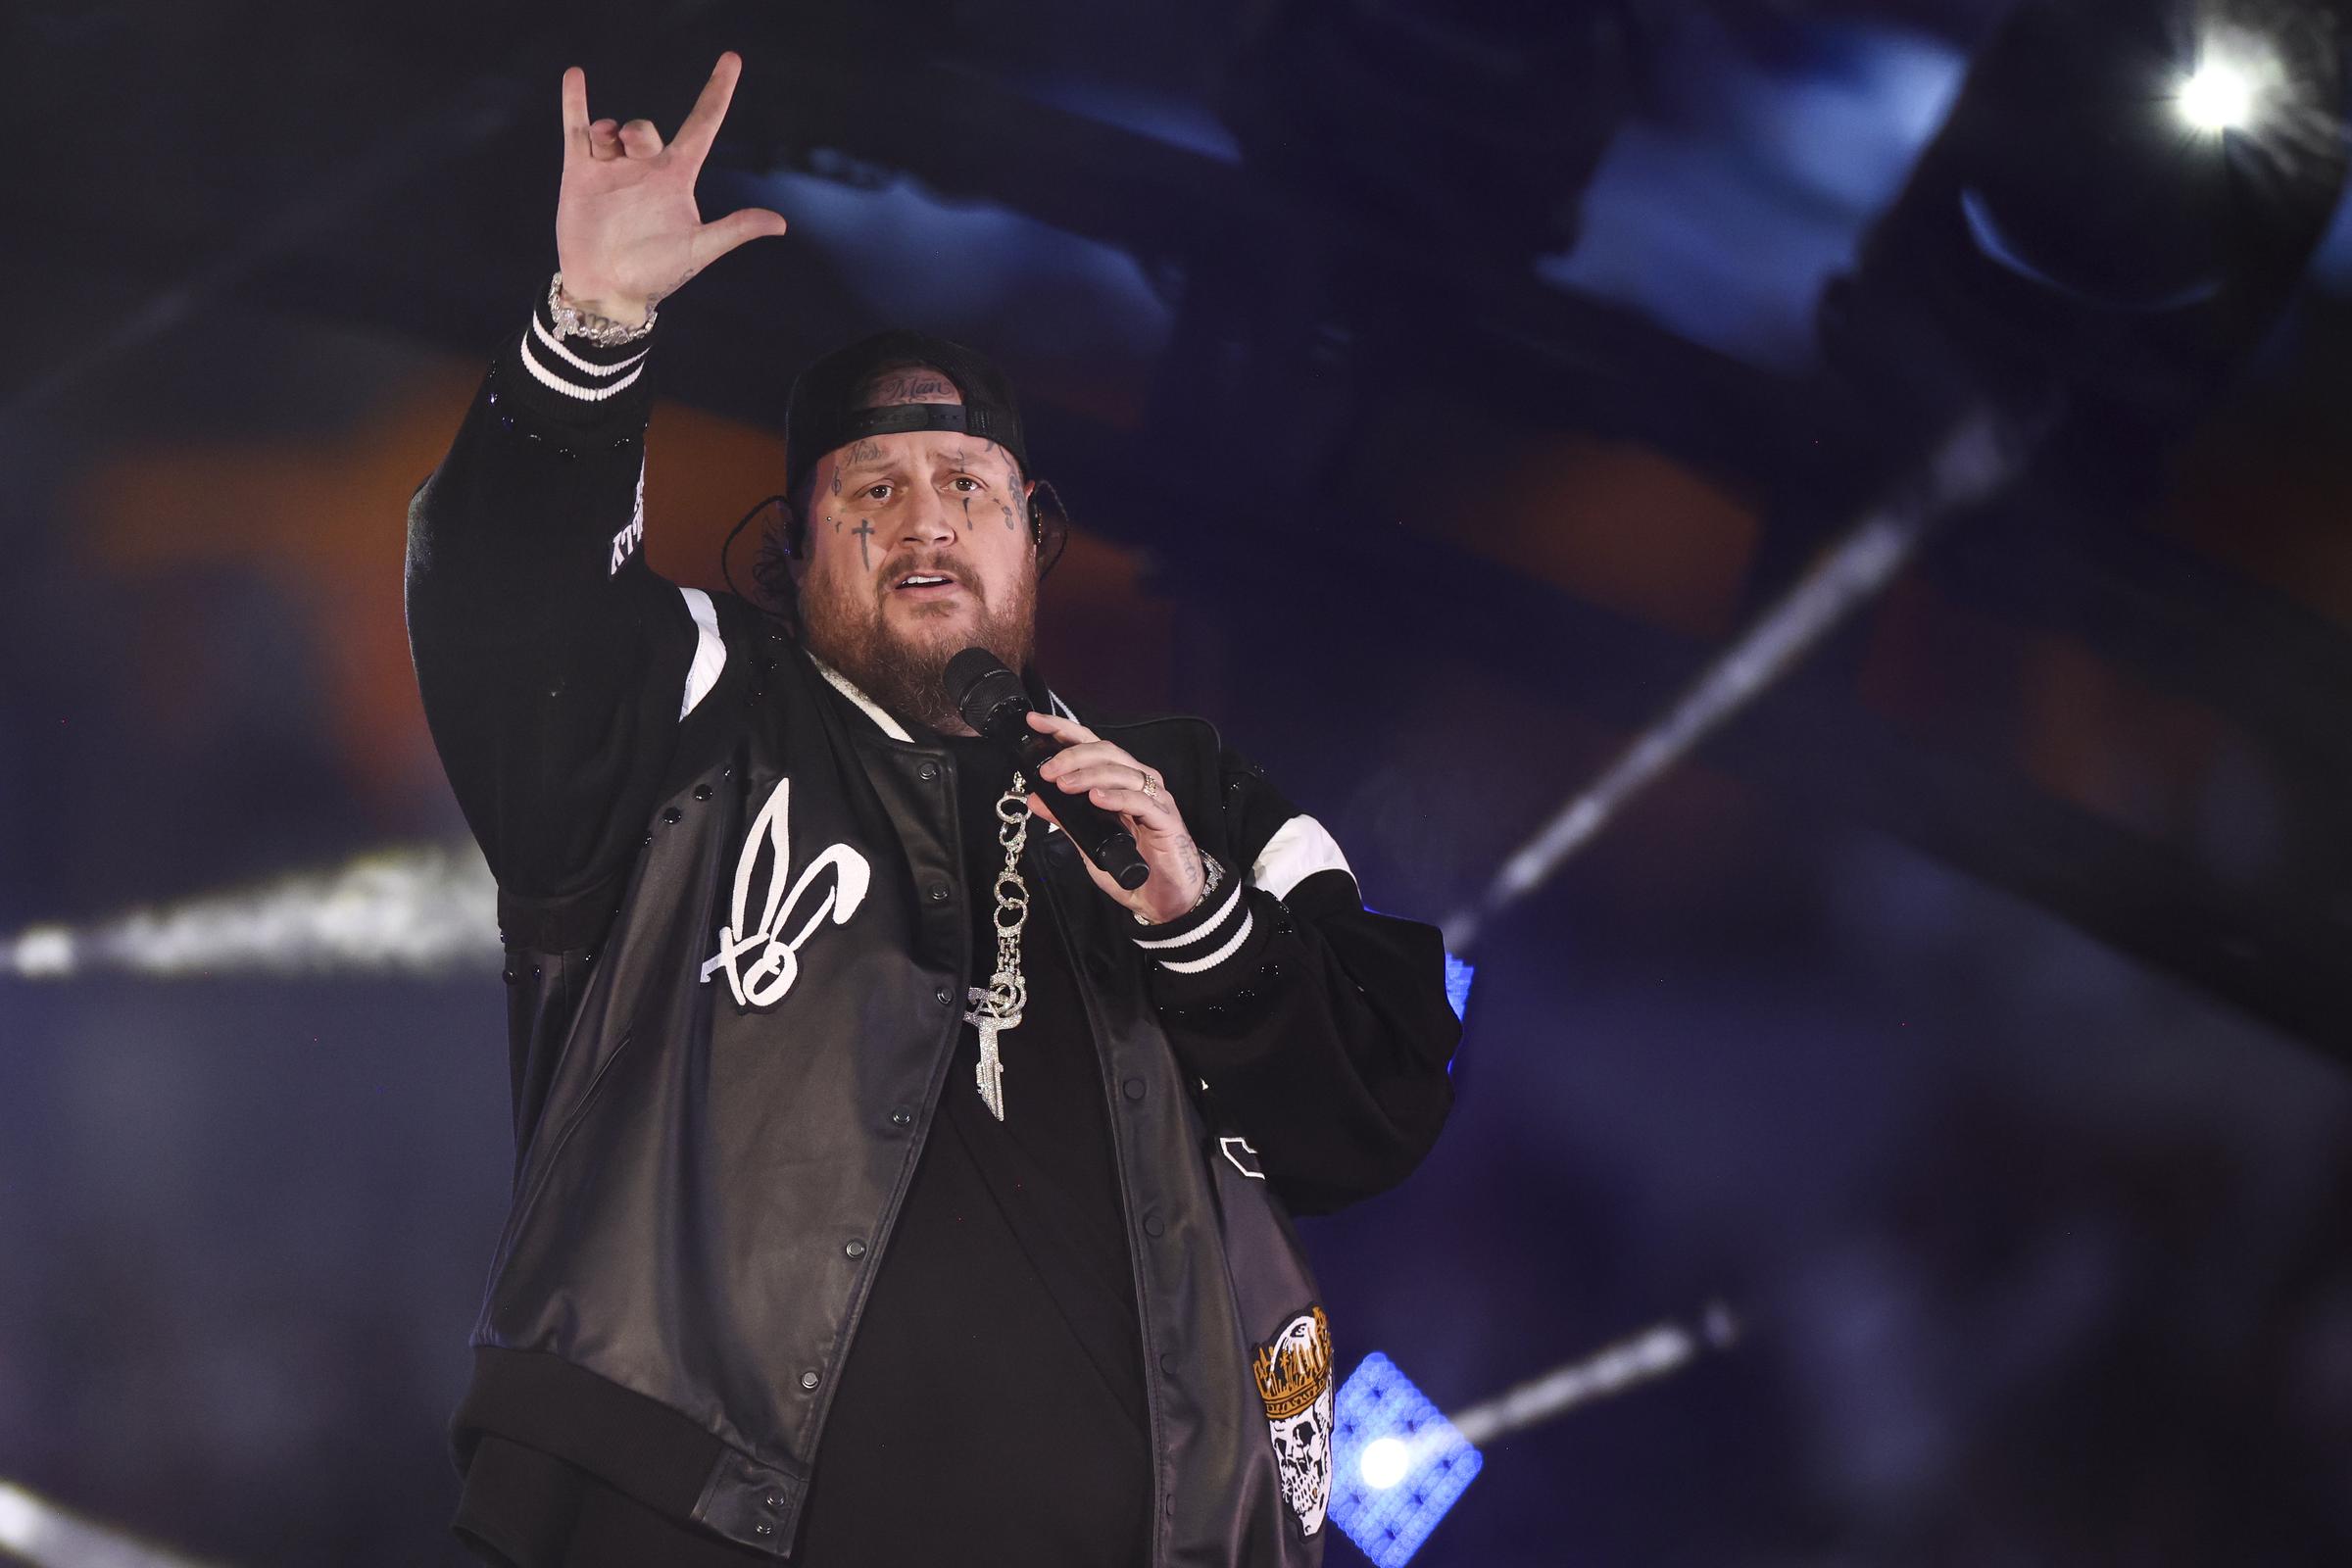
(1210, 960)
(580, 370)
(1204, 938)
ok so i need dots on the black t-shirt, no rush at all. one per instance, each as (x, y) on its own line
(992, 1407)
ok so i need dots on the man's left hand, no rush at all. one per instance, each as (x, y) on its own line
(1112, 780)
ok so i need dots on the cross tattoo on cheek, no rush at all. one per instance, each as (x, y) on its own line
(865, 534)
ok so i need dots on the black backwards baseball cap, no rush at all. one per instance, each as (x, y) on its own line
(822, 414)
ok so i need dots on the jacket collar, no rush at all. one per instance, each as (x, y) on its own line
(1039, 693)
(865, 705)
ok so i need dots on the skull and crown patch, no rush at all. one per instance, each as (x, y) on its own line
(1293, 1378)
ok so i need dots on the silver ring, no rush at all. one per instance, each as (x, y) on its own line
(1151, 785)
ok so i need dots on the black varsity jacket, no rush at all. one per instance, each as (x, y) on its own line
(734, 989)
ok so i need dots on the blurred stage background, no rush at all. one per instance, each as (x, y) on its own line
(1438, 385)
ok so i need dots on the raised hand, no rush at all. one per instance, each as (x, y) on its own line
(628, 231)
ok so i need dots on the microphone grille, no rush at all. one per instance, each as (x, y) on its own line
(968, 669)
(982, 688)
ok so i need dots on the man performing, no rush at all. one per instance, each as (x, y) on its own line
(893, 1186)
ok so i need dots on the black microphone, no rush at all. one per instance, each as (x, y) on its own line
(991, 700)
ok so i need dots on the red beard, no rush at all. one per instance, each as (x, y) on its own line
(908, 673)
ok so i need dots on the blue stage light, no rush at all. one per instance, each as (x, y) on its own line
(1457, 984)
(1397, 1463)
(1457, 976)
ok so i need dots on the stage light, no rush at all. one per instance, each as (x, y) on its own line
(2224, 91)
(1385, 1462)
(1980, 456)
(39, 1532)
(2218, 96)
(1397, 1464)
(2124, 198)
(1458, 974)
(419, 911)
(41, 952)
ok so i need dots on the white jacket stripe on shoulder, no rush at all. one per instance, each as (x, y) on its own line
(1298, 849)
(710, 649)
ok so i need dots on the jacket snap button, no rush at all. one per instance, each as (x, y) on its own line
(763, 1530)
(927, 772)
(901, 1117)
(1134, 1088)
(808, 1380)
(774, 1500)
(939, 892)
(1152, 1225)
(943, 996)
(671, 815)
(856, 1249)
(702, 792)
(1168, 1362)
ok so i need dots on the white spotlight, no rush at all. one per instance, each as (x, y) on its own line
(2227, 89)
(1385, 1462)
(46, 1536)
(419, 911)
(2218, 97)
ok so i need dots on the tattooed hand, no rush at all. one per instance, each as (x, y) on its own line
(1113, 781)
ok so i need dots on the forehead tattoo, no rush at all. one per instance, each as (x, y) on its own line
(910, 387)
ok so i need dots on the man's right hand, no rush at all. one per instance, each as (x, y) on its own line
(628, 231)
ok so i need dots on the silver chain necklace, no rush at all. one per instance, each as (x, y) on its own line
(996, 1006)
